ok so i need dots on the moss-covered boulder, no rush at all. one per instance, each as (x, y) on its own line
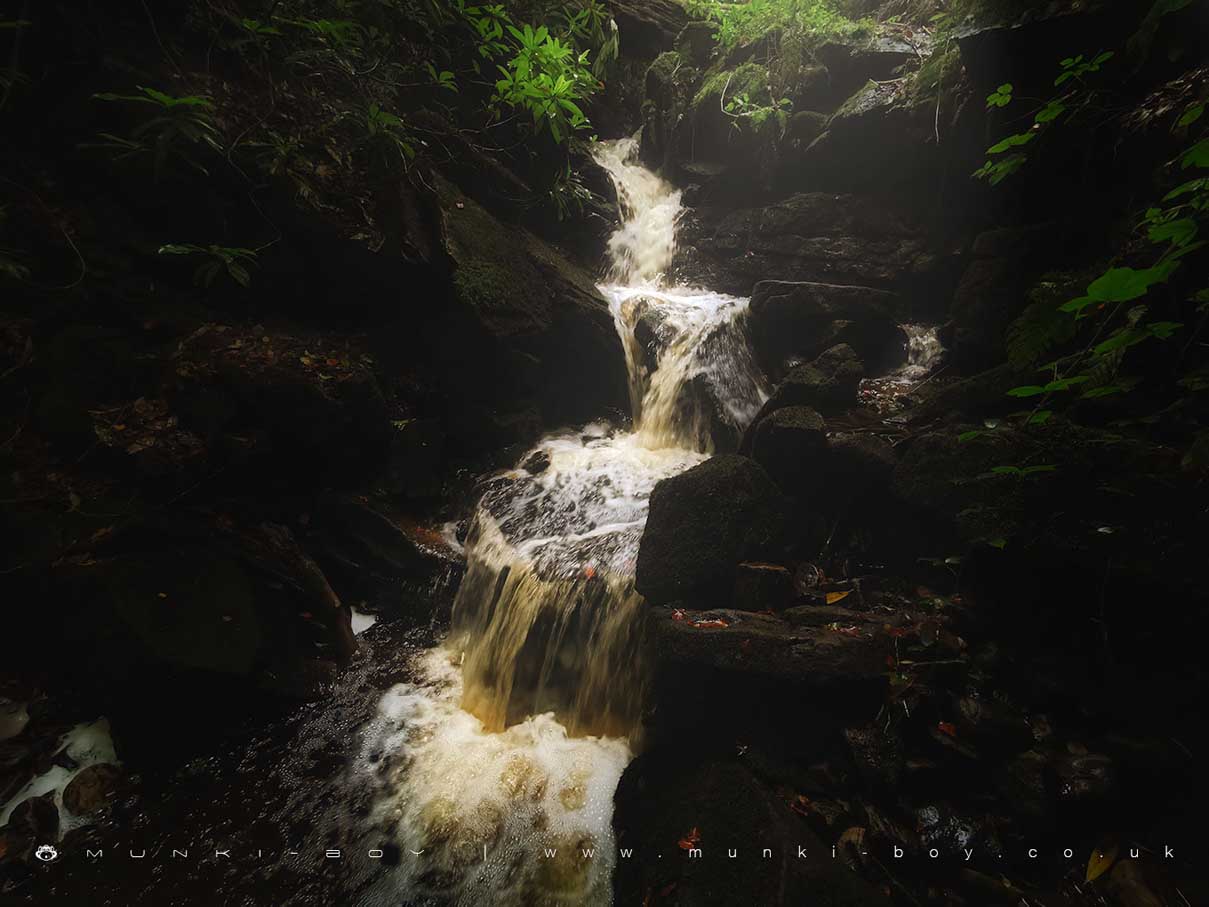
(525, 339)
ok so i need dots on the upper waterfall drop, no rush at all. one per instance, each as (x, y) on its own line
(642, 249)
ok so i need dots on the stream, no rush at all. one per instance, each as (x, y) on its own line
(495, 768)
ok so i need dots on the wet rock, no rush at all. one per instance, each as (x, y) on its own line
(707, 662)
(794, 322)
(791, 443)
(828, 384)
(537, 462)
(33, 822)
(91, 788)
(719, 807)
(994, 726)
(1021, 782)
(702, 524)
(1086, 779)
(943, 828)
(878, 755)
(763, 587)
(417, 457)
(817, 237)
(853, 62)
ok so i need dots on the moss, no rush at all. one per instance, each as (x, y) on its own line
(750, 79)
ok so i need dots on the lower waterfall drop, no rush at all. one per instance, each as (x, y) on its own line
(496, 768)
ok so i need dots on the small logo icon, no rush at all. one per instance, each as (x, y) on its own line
(46, 853)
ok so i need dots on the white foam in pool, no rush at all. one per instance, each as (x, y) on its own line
(447, 789)
(84, 745)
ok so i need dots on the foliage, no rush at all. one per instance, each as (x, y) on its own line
(742, 23)
(546, 78)
(1114, 314)
(216, 260)
(1077, 98)
(177, 128)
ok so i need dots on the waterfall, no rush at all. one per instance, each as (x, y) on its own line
(512, 739)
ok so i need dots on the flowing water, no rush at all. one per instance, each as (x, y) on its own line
(496, 769)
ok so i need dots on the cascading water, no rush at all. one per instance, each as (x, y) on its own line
(497, 767)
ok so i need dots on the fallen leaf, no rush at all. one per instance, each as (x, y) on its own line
(678, 614)
(119, 427)
(589, 572)
(333, 362)
(689, 841)
(1101, 861)
(719, 624)
(833, 597)
(801, 805)
(946, 727)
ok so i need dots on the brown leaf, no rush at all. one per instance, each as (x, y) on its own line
(1101, 861)
(833, 597)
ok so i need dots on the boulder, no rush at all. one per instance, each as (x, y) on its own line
(647, 27)
(791, 443)
(525, 341)
(719, 808)
(794, 322)
(697, 42)
(822, 237)
(298, 402)
(829, 384)
(721, 675)
(667, 93)
(763, 587)
(702, 524)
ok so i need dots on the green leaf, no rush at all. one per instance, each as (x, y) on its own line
(1034, 470)
(1006, 471)
(1191, 115)
(1124, 284)
(1178, 232)
(1051, 111)
(1040, 417)
(1076, 306)
(1012, 141)
(1196, 156)
(969, 435)
(1028, 390)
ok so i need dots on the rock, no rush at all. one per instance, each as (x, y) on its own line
(882, 137)
(730, 682)
(948, 831)
(854, 61)
(702, 524)
(1021, 782)
(697, 42)
(300, 401)
(992, 291)
(417, 458)
(91, 788)
(820, 237)
(370, 556)
(1086, 779)
(33, 822)
(525, 331)
(878, 755)
(720, 807)
(791, 443)
(667, 93)
(763, 587)
(647, 27)
(828, 384)
(992, 725)
(794, 322)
